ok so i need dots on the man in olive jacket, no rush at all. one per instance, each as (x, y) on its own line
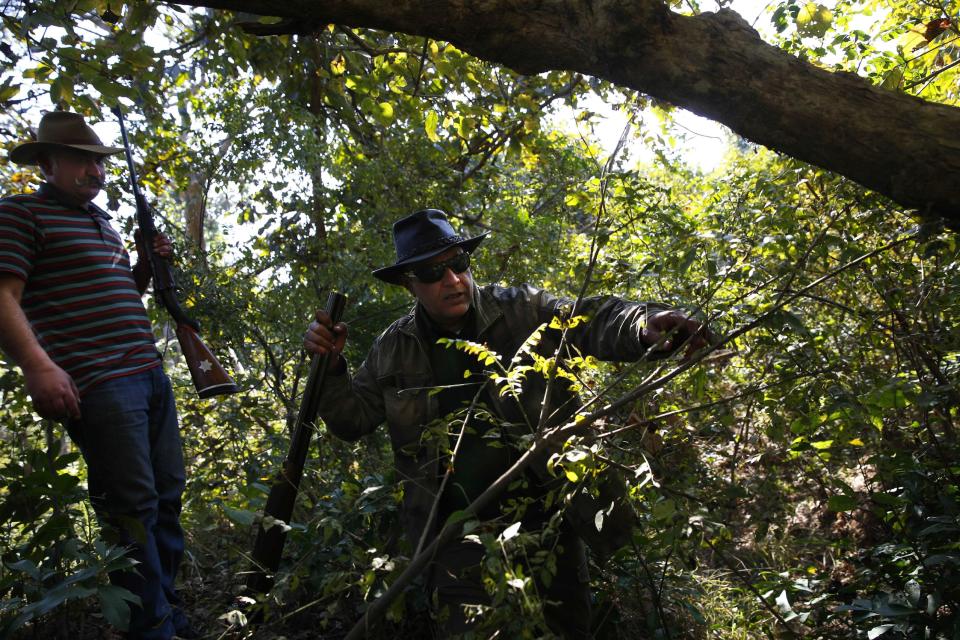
(406, 362)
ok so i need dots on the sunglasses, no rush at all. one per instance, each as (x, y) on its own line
(430, 273)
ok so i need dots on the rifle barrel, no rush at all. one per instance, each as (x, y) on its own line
(209, 376)
(268, 547)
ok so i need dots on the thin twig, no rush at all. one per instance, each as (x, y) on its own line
(423, 60)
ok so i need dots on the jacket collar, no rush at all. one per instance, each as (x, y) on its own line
(485, 308)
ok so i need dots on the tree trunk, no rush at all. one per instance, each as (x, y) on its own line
(194, 211)
(713, 64)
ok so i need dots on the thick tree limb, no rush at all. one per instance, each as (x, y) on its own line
(713, 64)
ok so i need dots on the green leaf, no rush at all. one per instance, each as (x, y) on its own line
(794, 322)
(510, 532)
(8, 91)
(240, 516)
(26, 566)
(386, 113)
(891, 398)
(57, 596)
(942, 558)
(234, 618)
(457, 516)
(783, 602)
(912, 39)
(688, 258)
(940, 527)
(892, 79)
(894, 610)
(56, 91)
(664, 510)
(430, 125)
(113, 604)
(841, 503)
(888, 500)
(814, 20)
(876, 632)
(517, 583)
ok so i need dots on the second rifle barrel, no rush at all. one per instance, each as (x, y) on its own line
(268, 546)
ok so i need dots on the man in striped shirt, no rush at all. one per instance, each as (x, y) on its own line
(72, 318)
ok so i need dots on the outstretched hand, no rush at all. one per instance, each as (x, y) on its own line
(322, 337)
(673, 329)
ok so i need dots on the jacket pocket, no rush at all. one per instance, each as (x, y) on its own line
(406, 402)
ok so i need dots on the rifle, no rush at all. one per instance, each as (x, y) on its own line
(209, 376)
(270, 539)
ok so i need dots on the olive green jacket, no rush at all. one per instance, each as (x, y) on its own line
(393, 383)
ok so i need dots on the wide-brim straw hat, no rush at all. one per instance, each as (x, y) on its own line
(58, 130)
(420, 236)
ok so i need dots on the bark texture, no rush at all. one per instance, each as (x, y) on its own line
(713, 64)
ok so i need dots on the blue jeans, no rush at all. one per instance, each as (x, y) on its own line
(130, 439)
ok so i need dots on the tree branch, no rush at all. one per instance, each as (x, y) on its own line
(713, 64)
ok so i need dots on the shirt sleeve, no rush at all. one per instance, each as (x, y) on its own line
(19, 239)
(613, 329)
(352, 406)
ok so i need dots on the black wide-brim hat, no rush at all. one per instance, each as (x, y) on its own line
(58, 130)
(421, 236)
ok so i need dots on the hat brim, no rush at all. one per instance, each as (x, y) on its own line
(29, 152)
(394, 273)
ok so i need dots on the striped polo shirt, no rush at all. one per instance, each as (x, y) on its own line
(79, 294)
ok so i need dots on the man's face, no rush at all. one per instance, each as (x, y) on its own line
(447, 300)
(78, 174)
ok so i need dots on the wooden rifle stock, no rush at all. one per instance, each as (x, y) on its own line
(270, 538)
(209, 376)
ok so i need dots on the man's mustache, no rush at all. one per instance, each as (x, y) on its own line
(89, 182)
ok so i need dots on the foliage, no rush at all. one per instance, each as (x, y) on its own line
(801, 480)
(900, 46)
(47, 563)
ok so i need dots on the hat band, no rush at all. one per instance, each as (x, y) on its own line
(430, 246)
(84, 141)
